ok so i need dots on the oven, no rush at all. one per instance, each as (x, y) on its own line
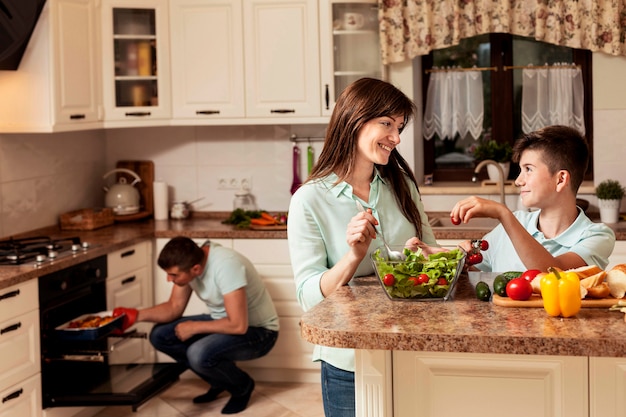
(77, 372)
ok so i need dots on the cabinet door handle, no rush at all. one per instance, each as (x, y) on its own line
(327, 97)
(9, 294)
(207, 112)
(282, 111)
(13, 395)
(11, 328)
(128, 280)
(77, 116)
(127, 253)
(138, 113)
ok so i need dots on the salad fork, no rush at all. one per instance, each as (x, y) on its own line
(393, 255)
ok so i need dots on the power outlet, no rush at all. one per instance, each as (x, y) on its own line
(234, 183)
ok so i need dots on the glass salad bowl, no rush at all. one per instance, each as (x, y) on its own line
(419, 277)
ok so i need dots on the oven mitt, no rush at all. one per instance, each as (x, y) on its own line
(130, 316)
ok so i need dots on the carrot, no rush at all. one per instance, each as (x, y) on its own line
(262, 222)
(265, 215)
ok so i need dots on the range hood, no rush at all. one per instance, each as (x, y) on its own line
(17, 21)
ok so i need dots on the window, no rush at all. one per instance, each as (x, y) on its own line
(450, 160)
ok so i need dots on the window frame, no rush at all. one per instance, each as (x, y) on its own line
(502, 103)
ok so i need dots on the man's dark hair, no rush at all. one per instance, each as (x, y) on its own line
(181, 252)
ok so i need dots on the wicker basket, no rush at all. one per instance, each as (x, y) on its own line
(87, 219)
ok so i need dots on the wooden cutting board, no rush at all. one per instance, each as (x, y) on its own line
(537, 301)
(145, 170)
(276, 227)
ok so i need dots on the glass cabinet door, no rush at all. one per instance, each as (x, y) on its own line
(356, 51)
(355, 44)
(134, 48)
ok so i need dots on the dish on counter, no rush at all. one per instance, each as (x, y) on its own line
(419, 277)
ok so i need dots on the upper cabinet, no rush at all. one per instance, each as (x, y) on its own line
(135, 50)
(57, 85)
(207, 59)
(350, 46)
(281, 46)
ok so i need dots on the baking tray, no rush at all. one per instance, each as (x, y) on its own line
(89, 333)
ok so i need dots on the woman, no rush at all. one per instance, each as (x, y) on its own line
(330, 239)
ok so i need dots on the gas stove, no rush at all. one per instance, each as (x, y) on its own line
(39, 249)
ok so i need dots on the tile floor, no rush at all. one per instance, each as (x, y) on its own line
(269, 399)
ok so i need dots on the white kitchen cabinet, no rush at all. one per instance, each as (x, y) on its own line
(207, 59)
(20, 358)
(281, 52)
(57, 85)
(129, 284)
(135, 67)
(291, 357)
(608, 384)
(349, 46)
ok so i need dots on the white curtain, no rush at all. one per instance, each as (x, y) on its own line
(552, 96)
(454, 104)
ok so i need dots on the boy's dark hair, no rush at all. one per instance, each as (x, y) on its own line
(181, 252)
(561, 147)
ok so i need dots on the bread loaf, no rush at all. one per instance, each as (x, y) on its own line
(599, 291)
(593, 280)
(616, 280)
(586, 271)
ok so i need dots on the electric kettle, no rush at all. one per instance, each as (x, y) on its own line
(122, 197)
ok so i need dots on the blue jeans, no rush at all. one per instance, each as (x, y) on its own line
(212, 356)
(337, 391)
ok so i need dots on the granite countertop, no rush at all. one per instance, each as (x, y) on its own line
(361, 316)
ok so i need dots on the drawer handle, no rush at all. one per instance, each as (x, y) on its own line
(282, 111)
(128, 280)
(127, 253)
(10, 294)
(77, 116)
(11, 328)
(13, 395)
(138, 113)
(208, 112)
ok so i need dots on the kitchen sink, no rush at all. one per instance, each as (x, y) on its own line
(479, 223)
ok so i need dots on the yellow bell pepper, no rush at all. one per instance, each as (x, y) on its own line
(560, 292)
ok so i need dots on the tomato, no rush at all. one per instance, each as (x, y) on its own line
(455, 221)
(414, 280)
(474, 258)
(442, 281)
(530, 274)
(519, 289)
(423, 278)
(484, 245)
(389, 280)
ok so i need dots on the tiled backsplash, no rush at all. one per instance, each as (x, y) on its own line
(44, 175)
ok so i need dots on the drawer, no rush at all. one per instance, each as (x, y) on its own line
(19, 348)
(22, 399)
(128, 259)
(18, 299)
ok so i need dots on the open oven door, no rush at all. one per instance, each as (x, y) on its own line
(99, 384)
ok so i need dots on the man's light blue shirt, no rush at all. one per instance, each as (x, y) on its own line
(594, 242)
(319, 213)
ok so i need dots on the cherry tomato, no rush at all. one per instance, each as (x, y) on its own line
(389, 280)
(530, 274)
(455, 221)
(519, 289)
(442, 281)
(423, 278)
(484, 245)
(414, 280)
(475, 258)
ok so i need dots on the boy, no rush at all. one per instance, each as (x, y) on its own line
(553, 161)
(241, 323)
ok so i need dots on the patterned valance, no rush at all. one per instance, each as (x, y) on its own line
(410, 28)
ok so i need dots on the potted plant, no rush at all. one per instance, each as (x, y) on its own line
(500, 152)
(610, 194)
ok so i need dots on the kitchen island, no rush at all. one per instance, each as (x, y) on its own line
(467, 357)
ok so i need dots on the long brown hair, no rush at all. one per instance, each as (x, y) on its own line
(360, 102)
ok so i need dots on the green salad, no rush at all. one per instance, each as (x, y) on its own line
(418, 276)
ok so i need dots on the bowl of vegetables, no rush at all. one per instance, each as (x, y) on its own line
(419, 277)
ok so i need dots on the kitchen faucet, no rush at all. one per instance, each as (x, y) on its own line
(500, 170)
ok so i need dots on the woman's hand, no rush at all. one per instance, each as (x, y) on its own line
(360, 232)
(414, 243)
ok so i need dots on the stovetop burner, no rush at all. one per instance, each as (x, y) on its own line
(39, 249)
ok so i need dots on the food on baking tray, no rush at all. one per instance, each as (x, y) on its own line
(616, 280)
(92, 321)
